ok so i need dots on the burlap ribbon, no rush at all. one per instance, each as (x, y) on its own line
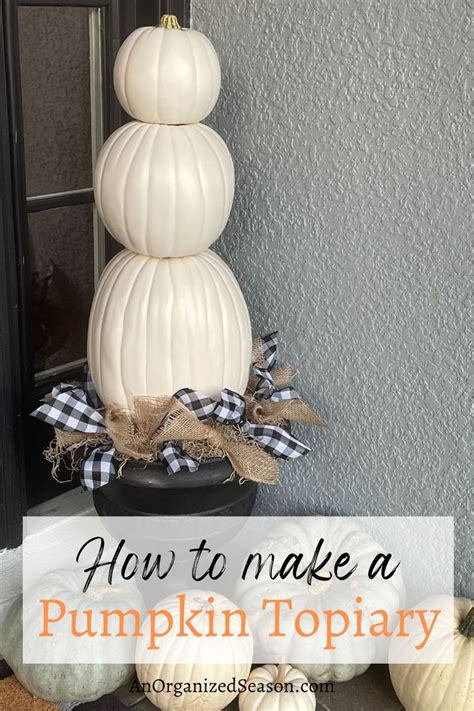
(159, 420)
(277, 413)
(141, 434)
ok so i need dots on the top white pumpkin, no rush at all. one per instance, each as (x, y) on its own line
(167, 75)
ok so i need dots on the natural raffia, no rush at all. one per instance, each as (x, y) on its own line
(72, 444)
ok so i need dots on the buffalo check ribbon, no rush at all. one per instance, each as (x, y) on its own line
(265, 389)
(99, 469)
(230, 410)
(175, 459)
(73, 408)
(69, 410)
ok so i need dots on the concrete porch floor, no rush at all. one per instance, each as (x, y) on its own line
(371, 691)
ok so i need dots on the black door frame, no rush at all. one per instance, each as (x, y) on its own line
(18, 394)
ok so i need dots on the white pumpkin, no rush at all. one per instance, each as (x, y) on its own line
(158, 325)
(234, 653)
(301, 536)
(439, 687)
(298, 699)
(164, 191)
(65, 679)
(167, 75)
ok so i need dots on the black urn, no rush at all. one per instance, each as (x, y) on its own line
(146, 489)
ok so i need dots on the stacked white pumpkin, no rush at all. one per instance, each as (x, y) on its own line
(168, 312)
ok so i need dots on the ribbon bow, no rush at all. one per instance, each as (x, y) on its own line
(73, 408)
(265, 389)
(69, 409)
(230, 410)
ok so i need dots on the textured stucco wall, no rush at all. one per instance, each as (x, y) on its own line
(347, 124)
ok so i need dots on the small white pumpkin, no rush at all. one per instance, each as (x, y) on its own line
(167, 75)
(269, 699)
(439, 687)
(158, 325)
(164, 191)
(65, 680)
(234, 653)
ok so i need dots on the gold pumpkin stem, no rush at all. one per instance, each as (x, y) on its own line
(170, 22)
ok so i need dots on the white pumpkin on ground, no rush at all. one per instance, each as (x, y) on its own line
(292, 697)
(167, 74)
(301, 536)
(439, 687)
(65, 679)
(164, 191)
(234, 653)
(158, 325)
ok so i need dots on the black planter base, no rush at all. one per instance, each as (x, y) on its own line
(147, 490)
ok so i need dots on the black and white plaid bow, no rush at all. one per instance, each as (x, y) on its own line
(73, 408)
(99, 468)
(175, 459)
(69, 410)
(266, 389)
(230, 410)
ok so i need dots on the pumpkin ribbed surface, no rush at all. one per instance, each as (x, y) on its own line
(164, 191)
(302, 535)
(65, 679)
(299, 699)
(234, 653)
(158, 325)
(438, 687)
(167, 76)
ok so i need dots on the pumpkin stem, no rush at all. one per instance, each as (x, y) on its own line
(467, 625)
(280, 678)
(170, 22)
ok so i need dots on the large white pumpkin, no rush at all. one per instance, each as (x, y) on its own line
(164, 191)
(167, 75)
(271, 694)
(158, 325)
(234, 653)
(439, 687)
(301, 536)
(65, 679)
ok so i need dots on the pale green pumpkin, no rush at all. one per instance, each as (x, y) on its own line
(67, 680)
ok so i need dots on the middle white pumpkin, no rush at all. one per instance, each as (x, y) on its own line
(158, 325)
(164, 191)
